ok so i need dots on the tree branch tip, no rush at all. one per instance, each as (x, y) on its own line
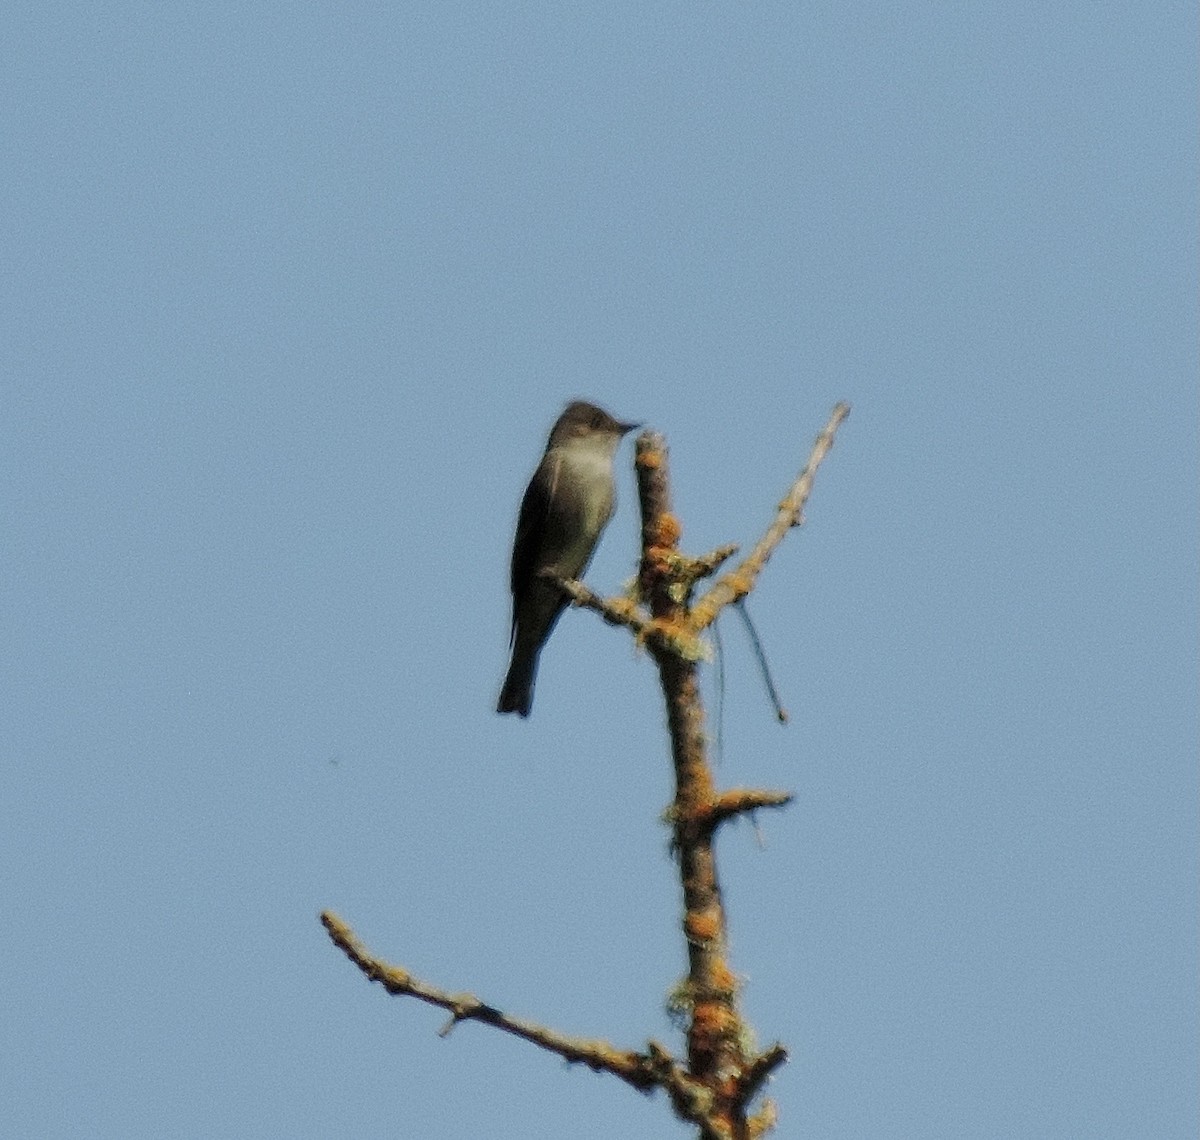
(706, 565)
(744, 801)
(756, 1076)
(763, 1066)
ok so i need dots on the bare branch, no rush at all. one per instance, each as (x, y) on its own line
(615, 611)
(722, 1073)
(645, 1071)
(760, 1069)
(739, 801)
(715, 1038)
(781, 714)
(740, 581)
(708, 564)
(678, 639)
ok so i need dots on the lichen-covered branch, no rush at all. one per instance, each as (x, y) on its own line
(722, 1075)
(645, 1071)
(716, 1034)
(615, 611)
(740, 581)
(761, 1068)
(742, 801)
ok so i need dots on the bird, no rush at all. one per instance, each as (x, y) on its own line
(565, 509)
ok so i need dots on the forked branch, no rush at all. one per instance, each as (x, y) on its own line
(722, 1074)
(740, 581)
(645, 1071)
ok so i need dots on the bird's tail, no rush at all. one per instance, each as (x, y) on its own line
(517, 694)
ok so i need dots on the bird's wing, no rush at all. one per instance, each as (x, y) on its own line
(531, 522)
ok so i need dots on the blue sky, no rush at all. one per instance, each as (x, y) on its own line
(292, 294)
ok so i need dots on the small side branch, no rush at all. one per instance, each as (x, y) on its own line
(760, 654)
(671, 637)
(615, 611)
(655, 1068)
(708, 564)
(740, 581)
(722, 1073)
(742, 801)
(760, 1069)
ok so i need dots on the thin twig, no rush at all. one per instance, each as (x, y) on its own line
(716, 630)
(708, 564)
(772, 692)
(645, 1071)
(742, 801)
(678, 639)
(615, 611)
(761, 1068)
(722, 1073)
(740, 581)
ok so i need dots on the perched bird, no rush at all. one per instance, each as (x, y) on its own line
(566, 506)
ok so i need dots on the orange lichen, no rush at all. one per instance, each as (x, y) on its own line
(741, 582)
(660, 560)
(697, 810)
(724, 979)
(678, 635)
(712, 1020)
(624, 606)
(667, 530)
(702, 926)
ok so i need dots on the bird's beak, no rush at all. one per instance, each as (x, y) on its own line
(627, 428)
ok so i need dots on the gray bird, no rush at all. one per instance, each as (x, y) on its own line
(566, 507)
